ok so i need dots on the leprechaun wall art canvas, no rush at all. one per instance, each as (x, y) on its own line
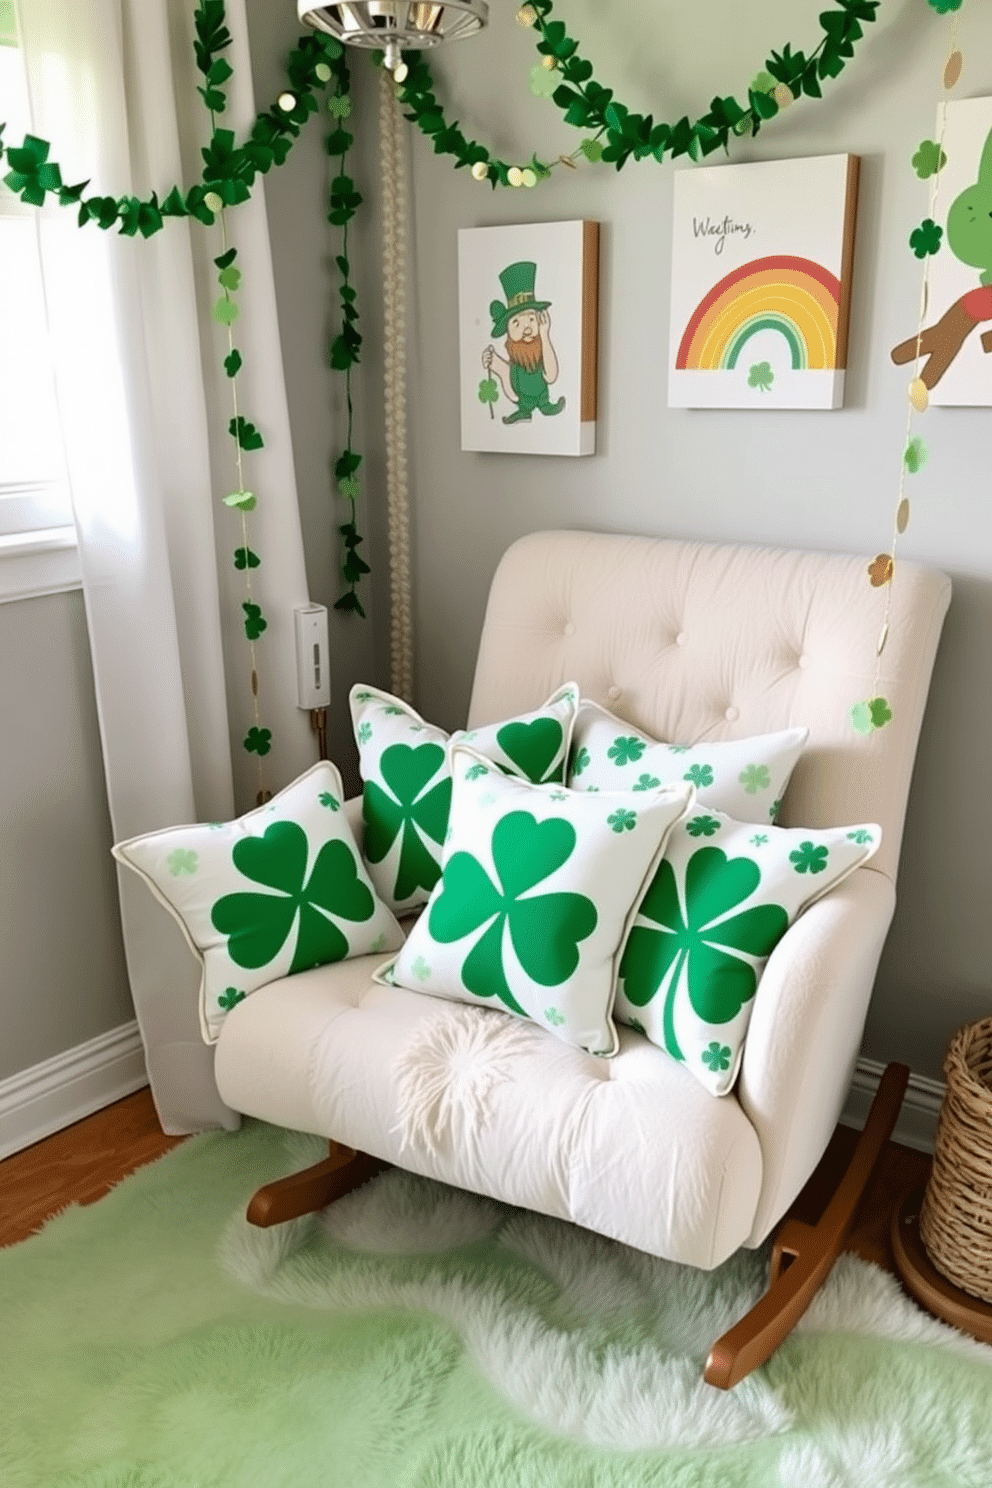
(527, 298)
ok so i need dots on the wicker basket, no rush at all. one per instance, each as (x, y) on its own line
(956, 1217)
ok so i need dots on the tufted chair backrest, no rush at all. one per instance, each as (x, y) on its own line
(692, 641)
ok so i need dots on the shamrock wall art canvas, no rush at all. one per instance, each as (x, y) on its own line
(527, 310)
(955, 349)
(761, 282)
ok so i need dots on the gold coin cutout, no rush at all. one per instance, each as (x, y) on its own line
(952, 71)
(883, 638)
(919, 395)
(880, 570)
(902, 515)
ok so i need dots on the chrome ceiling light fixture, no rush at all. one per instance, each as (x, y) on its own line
(392, 25)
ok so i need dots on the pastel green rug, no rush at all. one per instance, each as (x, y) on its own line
(415, 1337)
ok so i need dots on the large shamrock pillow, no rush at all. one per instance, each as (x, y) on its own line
(280, 890)
(538, 890)
(744, 777)
(407, 781)
(723, 897)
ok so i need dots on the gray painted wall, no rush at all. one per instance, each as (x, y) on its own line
(62, 975)
(816, 480)
(823, 480)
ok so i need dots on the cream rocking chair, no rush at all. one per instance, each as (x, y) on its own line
(687, 641)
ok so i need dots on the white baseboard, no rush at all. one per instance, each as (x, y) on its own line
(54, 1094)
(917, 1124)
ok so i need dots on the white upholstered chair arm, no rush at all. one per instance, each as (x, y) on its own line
(813, 997)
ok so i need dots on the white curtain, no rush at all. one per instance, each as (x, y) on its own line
(144, 403)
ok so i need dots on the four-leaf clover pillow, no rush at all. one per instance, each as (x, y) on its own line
(407, 780)
(723, 897)
(280, 890)
(744, 777)
(538, 891)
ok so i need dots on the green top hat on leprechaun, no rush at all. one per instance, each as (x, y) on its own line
(518, 286)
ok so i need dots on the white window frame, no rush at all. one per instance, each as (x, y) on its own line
(39, 552)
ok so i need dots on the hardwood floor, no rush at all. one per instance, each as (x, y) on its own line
(79, 1164)
(82, 1163)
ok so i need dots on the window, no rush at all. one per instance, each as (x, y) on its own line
(37, 537)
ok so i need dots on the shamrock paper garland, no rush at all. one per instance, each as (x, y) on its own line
(925, 241)
(586, 104)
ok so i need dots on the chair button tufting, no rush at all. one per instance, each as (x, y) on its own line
(569, 628)
(732, 714)
(680, 638)
(613, 693)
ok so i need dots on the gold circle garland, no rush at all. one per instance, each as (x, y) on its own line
(618, 133)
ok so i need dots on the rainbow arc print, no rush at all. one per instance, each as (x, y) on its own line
(794, 297)
(761, 280)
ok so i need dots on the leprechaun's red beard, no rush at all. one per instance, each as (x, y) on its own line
(526, 354)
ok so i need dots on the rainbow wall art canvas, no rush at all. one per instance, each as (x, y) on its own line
(761, 268)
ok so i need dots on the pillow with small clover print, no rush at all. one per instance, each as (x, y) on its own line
(407, 781)
(279, 890)
(744, 777)
(538, 889)
(723, 896)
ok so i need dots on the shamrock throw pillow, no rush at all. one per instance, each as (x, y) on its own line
(280, 890)
(407, 781)
(723, 897)
(744, 777)
(538, 891)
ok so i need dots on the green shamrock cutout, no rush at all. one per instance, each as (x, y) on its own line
(761, 377)
(233, 363)
(225, 311)
(708, 944)
(258, 740)
(926, 239)
(915, 455)
(592, 149)
(242, 500)
(929, 159)
(543, 81)
(406, 813)
(533, 747)
(808, 858)
(880, 711)
(258, 925)
(29, 174)
(255, 622)
(245, 558)
(626, 751)
(229, 278)
(339, 107)
(545, 929)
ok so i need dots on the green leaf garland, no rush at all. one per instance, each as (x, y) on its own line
(586, 104)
